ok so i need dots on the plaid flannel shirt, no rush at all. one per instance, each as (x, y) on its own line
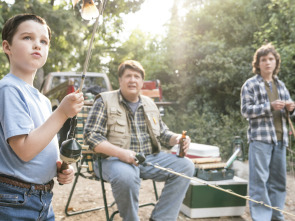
(256, 107)
(95, 130)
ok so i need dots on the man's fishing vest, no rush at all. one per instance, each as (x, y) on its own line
(118, 125)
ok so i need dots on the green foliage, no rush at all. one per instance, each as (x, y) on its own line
(208, 66)
(65, 35)
(205, 59)
(70, 34)
(141, 47)
(202, 62)
(4, 66)
(209, 128)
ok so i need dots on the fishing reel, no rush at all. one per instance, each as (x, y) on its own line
(139, 158)
(70, 150)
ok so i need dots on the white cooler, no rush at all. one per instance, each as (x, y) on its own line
(199, 150)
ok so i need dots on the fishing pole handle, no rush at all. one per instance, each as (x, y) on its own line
(64, 166)
(139, 158)
(291, 124)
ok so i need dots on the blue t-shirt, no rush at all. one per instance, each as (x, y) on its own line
(22, 109)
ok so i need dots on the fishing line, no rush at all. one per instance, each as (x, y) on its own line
(70, 150)
(217, 187)
(89, 52)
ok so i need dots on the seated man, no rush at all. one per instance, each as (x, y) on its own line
(122, 123)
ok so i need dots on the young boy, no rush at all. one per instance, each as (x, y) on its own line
(28, 146)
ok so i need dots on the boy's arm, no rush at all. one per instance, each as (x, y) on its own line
(29, 145)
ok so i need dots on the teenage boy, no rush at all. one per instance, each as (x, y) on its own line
(265, 102)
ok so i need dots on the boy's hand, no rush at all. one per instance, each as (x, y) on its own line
(65, 176)
(72, 104)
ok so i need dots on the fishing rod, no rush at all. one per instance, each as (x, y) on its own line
(89, 52)
(293, 131)
(140, 159)
(289, 148)
(71, 150)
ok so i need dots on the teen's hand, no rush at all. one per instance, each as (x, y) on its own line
(72, 104)
(277, 105)
(290, 105)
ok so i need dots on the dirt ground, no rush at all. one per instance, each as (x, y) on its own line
(88, 195)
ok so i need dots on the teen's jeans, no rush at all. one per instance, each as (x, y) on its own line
(267, 179)
(21, 204)
(125, 181)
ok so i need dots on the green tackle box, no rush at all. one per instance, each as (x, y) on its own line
(215, 174)
(203, 201)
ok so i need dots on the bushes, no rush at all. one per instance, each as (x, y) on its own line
(209, 128)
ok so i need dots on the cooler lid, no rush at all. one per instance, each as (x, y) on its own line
(200, 150)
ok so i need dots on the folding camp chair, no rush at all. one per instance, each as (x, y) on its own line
(87, 161)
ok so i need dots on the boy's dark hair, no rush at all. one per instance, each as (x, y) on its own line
(130, 64)
(263, 51)
(11, 25)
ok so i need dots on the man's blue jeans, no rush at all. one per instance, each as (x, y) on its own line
(267, 179)
(125, 181)
(21, 204)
